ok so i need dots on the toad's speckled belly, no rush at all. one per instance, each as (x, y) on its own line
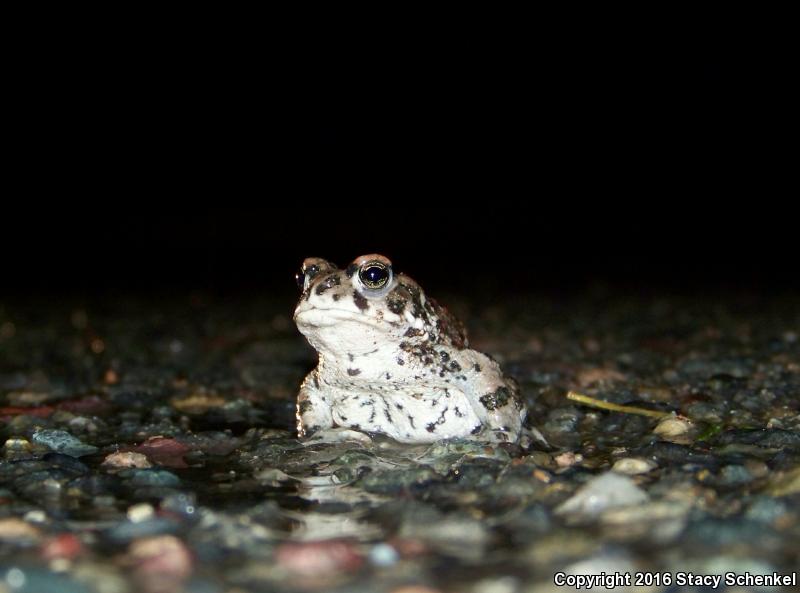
(407, 417)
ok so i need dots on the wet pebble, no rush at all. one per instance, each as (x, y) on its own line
(318, 558)
(164, 451)
(606, 491)
(161, 564)
(13, 530)
(151, 477)
(633, 466)
(126, 459)
(396, 481)
(63, 442)
(675, 430)
(63, 545)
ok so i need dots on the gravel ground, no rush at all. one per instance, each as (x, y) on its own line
(150, 448)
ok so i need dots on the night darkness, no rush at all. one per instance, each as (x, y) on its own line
(467, 165)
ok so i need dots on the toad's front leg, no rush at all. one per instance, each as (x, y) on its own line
(313, 407)
(495, 398)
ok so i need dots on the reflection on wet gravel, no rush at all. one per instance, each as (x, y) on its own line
(151, 448)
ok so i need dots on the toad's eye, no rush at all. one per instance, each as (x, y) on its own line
(300, 278)
(374, 275)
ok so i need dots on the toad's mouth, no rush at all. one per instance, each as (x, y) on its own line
(318, 317)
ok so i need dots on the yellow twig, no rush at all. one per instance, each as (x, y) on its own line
(604, 405)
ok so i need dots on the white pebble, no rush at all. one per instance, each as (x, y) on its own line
(606, 491)
(632, 466)
(140, 512)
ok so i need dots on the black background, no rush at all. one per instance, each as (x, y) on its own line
(506, 162)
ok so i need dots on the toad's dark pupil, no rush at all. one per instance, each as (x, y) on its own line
(374, 276)
(300, 278)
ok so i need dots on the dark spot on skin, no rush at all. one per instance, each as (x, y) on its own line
(454, 366)
(304, 406)
(444, 356)
(388, 377)
(476, 430)
(353, 372)
(328, 283)
(336, 296)
(372, 415)
(316, 380)
(476, 367)
(355, 426)
(360, 301)
(351, 269)
(458, 412)
(344, 418)
(411, 420)
(350, 356)
(497, 399)
(395, 302)
(441, 373)
(400, 361)
(399, 406)
(413, 331)
(388, 416)
(441, 420)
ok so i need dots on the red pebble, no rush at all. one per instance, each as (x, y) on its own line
(164, 451)
(40, 412)
(312, 559)
(91, 405)
(63, 545)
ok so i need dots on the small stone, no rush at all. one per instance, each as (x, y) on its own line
(766, 509)
(16, 530)
(198, 403)
(568, 459)
(273, 477)
(675, 429)
(633, 466)
(606, 491)
(140, 512)
(598, 375)
(63, 442)
(318, 558)
(383, 555)
(64, 545)
(785, 483)
(16, 446)
(154, 477)
(732, 475)
(37, 516)
(163, 563)
(126, 459)
(164, 451)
